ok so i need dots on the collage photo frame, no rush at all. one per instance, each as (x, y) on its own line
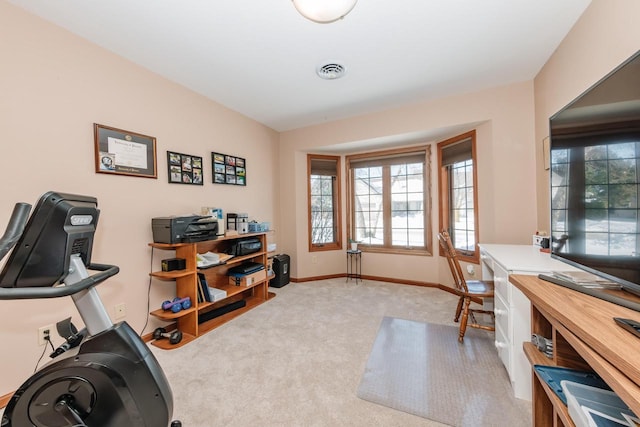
(228, 169)
(184, 168)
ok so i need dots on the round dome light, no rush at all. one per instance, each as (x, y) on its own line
(324, 11)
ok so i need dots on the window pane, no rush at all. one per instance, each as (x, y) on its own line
(322, 214)
(461, 206)
(601, 200)
(390, 194)
(596, 220)
(623, 196)
(596, 196)
(324, 227)
(459, 193)
(368, 205)
(623, 221)
(407, 205)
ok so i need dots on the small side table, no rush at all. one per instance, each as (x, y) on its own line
(354, 265)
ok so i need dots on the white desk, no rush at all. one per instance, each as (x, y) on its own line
(512, 308)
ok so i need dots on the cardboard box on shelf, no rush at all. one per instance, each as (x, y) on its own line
(247, 279)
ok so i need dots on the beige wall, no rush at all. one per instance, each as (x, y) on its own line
(506, 175)
(604, 37)
(53, 87)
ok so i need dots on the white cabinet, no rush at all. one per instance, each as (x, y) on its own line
(511, 308)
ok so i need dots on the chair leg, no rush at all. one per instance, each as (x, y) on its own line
(458, 309)
(465, 318)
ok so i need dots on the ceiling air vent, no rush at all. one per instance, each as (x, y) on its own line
(331, 71)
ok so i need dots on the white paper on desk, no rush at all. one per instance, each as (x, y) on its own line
(207, 259)
(586, 279)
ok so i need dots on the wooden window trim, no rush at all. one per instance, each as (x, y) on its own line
(428, 249)
(337, 244)
(444, 202)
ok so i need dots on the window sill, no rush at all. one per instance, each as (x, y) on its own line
(394, 251)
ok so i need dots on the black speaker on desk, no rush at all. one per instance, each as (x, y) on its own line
(281, 270)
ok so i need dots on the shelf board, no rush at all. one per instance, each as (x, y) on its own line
(166, 345)
(210, 325)
(241, 258)
(169, 315)
(168, 246)
(234, 290)
(171, 275)
(536, 357)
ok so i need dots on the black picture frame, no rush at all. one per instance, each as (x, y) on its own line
(184, 168)
(120, 152)
(227, 169)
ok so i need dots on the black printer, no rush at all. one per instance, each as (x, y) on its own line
(184, 229)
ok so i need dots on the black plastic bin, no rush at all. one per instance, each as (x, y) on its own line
(281, 270)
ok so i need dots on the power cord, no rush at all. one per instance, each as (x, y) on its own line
(47, 339)
(146, 322)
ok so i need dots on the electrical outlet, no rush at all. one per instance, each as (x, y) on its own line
(314, 259)
(43, 333)
(121, 310)
(471, 269)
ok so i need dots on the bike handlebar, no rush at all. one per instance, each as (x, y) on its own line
(14, 229)
(105, 271)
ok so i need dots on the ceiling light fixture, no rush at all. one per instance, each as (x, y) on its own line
(324, 11)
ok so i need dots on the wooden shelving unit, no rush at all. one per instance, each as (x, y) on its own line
(585, 337)
(186, 283)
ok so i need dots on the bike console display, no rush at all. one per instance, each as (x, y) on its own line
(61, 225)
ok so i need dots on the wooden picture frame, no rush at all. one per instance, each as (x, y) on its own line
(120, 152)
(228, 169)
(184, 168)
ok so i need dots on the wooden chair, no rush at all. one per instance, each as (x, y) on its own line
(469, 291)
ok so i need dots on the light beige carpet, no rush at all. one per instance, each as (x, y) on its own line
(298, 359)
(420, 368)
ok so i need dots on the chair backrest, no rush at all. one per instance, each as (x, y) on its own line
(452, 259)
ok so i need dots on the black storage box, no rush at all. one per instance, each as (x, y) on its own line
(245, 247)
(281, 270)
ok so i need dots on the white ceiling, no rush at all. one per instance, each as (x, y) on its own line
(258, 57)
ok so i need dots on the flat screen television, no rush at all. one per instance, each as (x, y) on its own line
(595, 178)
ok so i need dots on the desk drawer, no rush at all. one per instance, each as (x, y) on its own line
(486, 259)
(503, 347)
(501, 283)
(502, 313)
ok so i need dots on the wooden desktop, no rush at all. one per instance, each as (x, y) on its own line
(585, 336)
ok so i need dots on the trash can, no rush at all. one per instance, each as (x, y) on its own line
(281, 270)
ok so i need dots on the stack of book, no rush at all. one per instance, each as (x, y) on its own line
(207, 293)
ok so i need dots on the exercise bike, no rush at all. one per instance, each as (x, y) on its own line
(110, 379)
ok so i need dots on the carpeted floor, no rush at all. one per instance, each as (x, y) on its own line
(298, 359)
(421, 368)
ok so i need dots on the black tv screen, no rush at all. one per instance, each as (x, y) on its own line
(595, 178)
